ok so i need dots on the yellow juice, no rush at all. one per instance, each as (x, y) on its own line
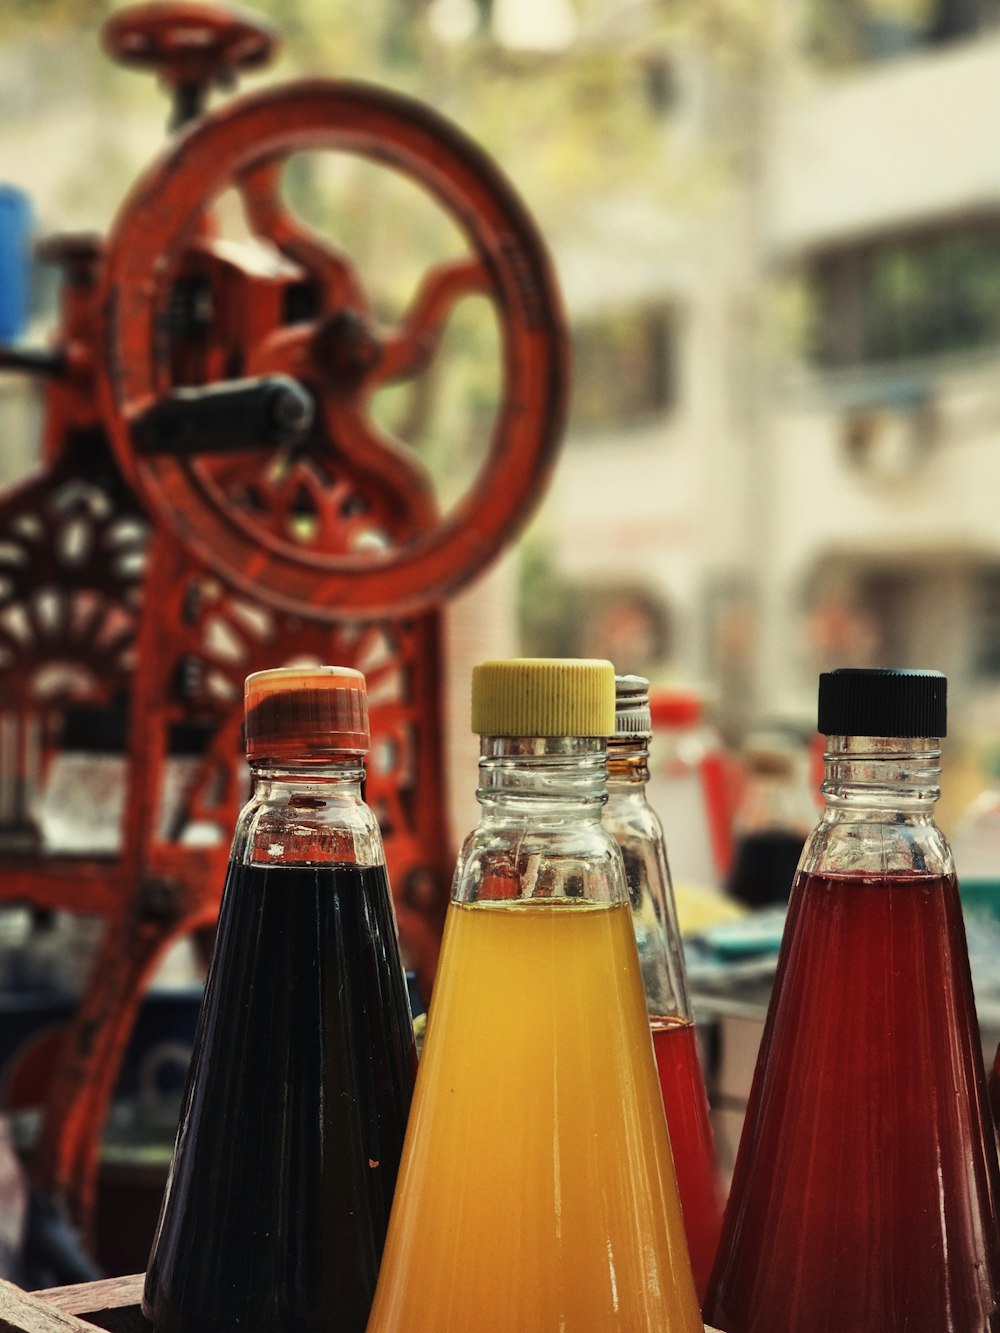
(537, 1191)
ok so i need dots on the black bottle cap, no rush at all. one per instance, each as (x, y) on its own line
(883, 702)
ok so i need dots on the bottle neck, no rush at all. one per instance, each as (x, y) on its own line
(628, 763)
(311, 812)
(531, 776)
(882, 773)
(326, 778)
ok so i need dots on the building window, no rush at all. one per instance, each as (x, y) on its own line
(623, 368)
(846, 31)
(913, 295)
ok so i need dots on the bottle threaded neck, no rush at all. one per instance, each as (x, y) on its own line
(309, 769)
(883, 771)
(535, 771)
(628, 761)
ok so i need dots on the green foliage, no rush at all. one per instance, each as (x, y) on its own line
(551, 606)
(21, 15)
(563, 126)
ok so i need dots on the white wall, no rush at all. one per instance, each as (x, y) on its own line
(943, 507)
(890, 144)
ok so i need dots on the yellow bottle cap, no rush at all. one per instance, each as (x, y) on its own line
(544, 696)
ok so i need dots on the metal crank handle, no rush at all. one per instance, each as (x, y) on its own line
(273, 411)
(33, 361)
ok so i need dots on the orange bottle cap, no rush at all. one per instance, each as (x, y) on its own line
(305, 712)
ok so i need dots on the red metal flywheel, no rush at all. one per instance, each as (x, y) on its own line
(340, 353)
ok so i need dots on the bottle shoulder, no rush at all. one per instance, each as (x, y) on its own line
(308, 829)
(579, 859)
(628, 815)
(877, 841)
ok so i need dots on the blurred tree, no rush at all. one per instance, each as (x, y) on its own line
(587, 120)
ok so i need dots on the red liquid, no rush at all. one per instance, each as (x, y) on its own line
(686, 1106)
(864, 1197)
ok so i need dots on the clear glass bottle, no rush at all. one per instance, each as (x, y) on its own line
(864, 1195)
(537, 1190)
(289, 1142)
(634, 825)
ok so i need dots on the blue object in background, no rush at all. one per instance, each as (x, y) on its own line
(16, 225)
(417, 1006)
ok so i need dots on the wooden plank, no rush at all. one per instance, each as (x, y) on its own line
(112, 1304)
(21, 1312)
(113, 1293)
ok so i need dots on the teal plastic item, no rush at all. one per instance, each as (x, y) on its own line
(753, 935)
(980, 896)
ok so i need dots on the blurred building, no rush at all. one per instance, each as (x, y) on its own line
(883, 196)
(808, 478)
(654, 506)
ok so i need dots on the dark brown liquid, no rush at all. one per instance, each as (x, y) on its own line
(864, 1197)
(276, 1211)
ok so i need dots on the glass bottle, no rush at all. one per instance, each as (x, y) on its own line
(689, 787)
(773, 820)
(289, 1141)
(864, 1195)
(537, 1190)
(633, 824)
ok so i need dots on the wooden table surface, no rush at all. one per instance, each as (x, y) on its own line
(111, 1305)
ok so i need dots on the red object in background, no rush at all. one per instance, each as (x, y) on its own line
(163, 554)
(189, 44)
(678, 713)
(27, 1076)
(863, 1194)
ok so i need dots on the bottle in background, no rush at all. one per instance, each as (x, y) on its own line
(290, 1137)
(865, 1190)
(633, 824)
(688, 787)
(537, 1190)
(773, 819)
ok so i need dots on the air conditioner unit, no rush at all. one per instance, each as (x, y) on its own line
(888, 440)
